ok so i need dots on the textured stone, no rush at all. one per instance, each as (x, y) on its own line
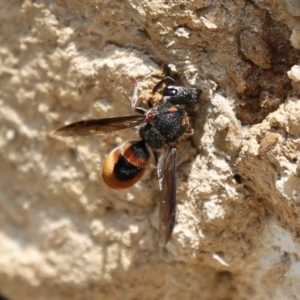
(65, 235)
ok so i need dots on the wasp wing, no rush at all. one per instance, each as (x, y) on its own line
(167, 178)
(98, 126)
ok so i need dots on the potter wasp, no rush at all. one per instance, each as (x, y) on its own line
(161, 128)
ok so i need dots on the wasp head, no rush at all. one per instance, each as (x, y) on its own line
(186, 97)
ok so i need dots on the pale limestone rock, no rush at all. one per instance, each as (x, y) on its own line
(65, 235)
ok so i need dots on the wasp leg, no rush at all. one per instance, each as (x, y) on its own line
(135, 97)
(150, 102)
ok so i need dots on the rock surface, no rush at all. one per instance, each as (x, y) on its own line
(65, 235)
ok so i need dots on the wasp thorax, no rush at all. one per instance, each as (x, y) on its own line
(167, 123)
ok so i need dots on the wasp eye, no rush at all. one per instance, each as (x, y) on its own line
(170, 92)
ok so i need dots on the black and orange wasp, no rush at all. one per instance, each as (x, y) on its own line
(161, 128)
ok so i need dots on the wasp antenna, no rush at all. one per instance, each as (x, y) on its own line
(167, 79)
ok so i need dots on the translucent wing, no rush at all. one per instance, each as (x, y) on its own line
(167, 177)
(98, 126)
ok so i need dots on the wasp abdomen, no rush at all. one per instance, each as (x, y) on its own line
(126, 164)
(124, 170)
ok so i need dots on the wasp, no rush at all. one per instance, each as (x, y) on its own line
(161, 128)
